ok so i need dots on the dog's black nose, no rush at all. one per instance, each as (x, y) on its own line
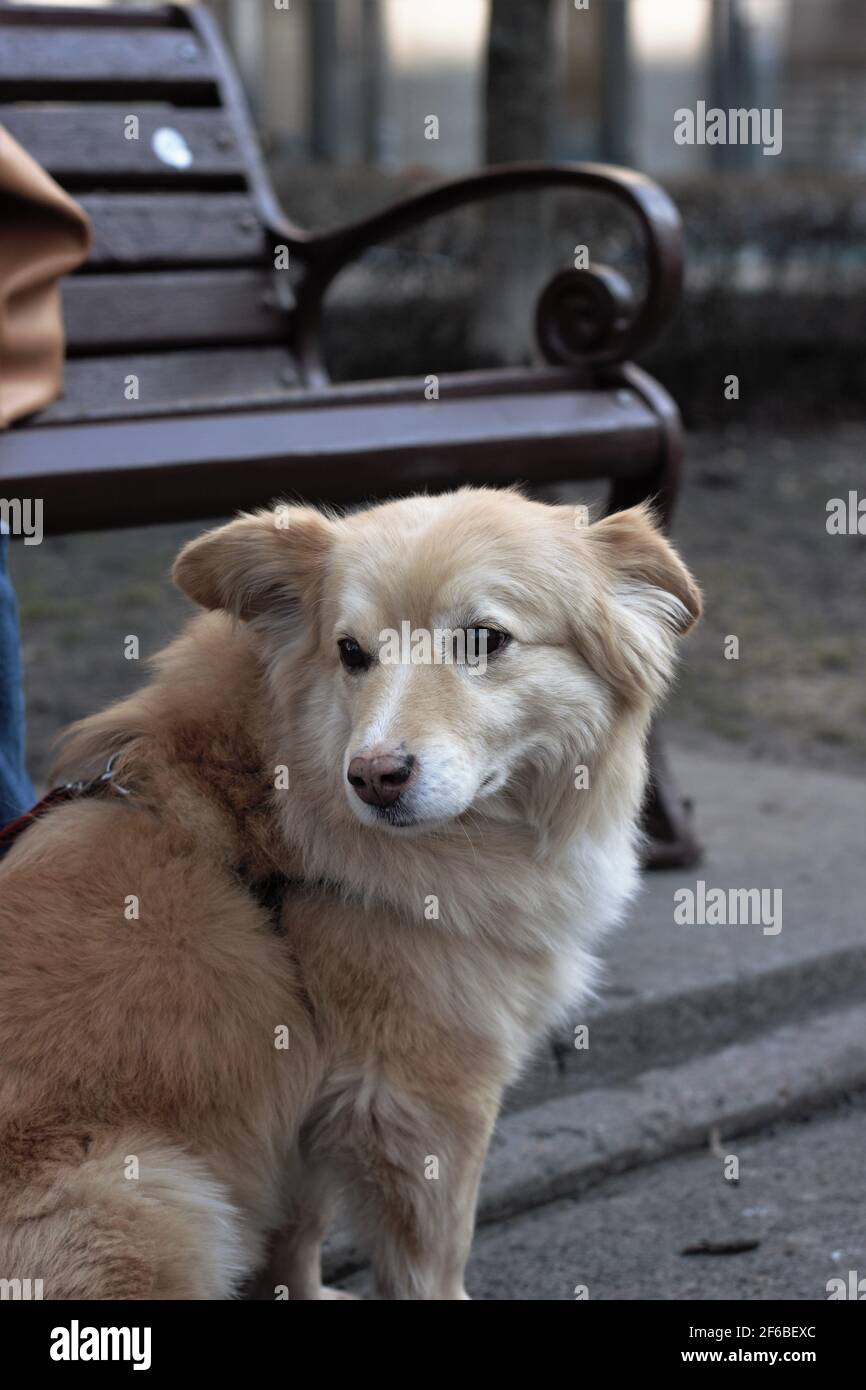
(380, 776)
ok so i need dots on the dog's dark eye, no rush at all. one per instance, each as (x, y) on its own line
(490, 639)
(352, 655)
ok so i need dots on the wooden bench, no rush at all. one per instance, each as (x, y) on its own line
(195, 381)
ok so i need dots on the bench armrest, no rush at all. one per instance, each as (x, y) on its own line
(602, 291)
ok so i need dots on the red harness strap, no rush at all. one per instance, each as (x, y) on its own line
(9, 833)
(71, 791)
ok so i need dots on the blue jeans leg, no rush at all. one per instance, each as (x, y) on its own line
(16, 792)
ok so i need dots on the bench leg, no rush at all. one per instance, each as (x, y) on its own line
(668, 817)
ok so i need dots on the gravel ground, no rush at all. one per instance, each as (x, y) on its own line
(752, 524)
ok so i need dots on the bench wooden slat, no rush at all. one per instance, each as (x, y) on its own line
(110, 312)
(169, 382)
(117, 474)
(87, 17)
(231, 378)
(35, 58)
(133, 229)
(88, 144)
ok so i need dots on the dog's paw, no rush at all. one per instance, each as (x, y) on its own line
(326, 1292)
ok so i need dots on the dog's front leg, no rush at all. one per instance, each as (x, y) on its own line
(417, 1198)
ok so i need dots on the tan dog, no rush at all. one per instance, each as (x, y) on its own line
(179, 1080)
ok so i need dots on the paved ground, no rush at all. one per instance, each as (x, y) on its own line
(801, 1195)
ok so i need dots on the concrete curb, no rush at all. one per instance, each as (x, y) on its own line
(661, 1030)
(566, 1145)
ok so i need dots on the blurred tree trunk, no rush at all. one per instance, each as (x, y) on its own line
(518, 80)
(325, 81)
(372, 69)
(518, 90)
(615, 82)
(732, 76)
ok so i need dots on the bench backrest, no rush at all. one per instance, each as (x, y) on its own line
(138, 114)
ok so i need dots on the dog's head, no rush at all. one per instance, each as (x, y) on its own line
(458, 654)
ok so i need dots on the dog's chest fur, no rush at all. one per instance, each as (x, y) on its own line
(457, 945)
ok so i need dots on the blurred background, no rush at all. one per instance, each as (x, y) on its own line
(342, 91)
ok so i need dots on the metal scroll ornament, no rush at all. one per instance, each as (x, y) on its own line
(583, 316)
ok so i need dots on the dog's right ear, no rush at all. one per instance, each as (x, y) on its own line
(261, 563)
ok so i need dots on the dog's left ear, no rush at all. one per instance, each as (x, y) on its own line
(646, 571)
(269, 562)
(645, 599)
